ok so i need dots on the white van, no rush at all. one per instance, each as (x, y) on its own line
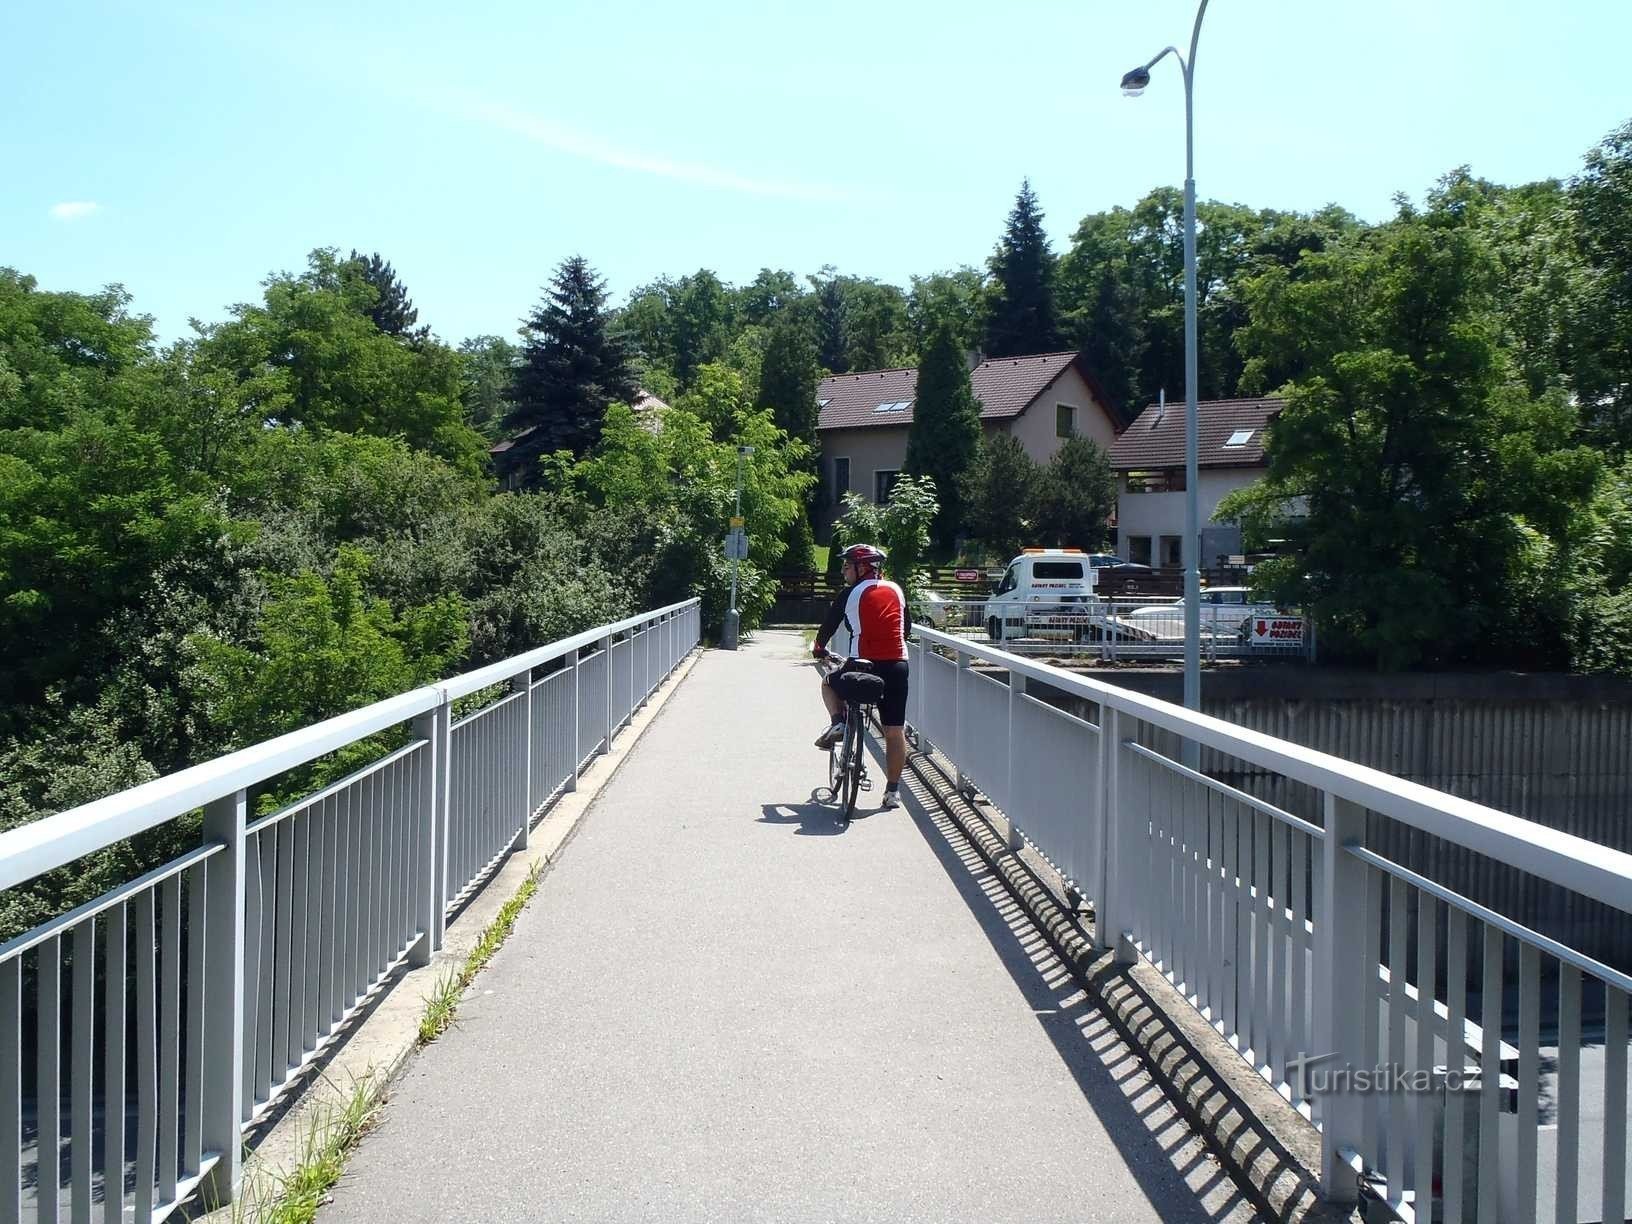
(1036, 595)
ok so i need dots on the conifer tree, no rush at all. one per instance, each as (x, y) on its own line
(1021, 315)
(945, 432)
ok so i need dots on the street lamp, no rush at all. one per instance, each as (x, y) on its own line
(735, 542)
(1133, 84)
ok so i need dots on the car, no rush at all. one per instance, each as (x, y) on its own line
(1225, 611)
(1042, 595)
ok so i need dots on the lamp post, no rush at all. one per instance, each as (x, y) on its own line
(1133, 84)
(728, 632)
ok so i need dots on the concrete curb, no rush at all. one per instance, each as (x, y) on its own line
(1270, 1152)
(384, 1036)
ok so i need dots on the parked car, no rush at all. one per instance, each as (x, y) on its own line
(1224, 613)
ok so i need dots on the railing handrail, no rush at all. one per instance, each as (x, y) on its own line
(1585, 867)
(53, 841)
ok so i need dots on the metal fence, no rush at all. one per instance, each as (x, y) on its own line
(1114, 629)
(1459, 1064)
(166, 1017)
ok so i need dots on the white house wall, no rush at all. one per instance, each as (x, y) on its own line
(1159, 514)
(1035, 428)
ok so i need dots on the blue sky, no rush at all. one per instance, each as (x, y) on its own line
(477, 144)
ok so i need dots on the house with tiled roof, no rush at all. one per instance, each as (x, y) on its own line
(1041, 400)
(1148, 458)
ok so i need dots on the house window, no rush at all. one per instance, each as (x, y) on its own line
(1156, 480)
(1065, 421)
(883, 482)
(1139, 550)
(841, 479)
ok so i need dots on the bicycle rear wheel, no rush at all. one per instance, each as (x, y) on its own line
(852, 754)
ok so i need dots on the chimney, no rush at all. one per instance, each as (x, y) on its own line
(973, 357)
(1161, 407)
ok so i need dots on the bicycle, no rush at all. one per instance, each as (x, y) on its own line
(847, 758)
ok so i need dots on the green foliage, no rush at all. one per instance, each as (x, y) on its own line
(901, 527)
(391, 311)
(998, 494)
(1021, 315)
(1601, 346)
(788, 380)
(683, 477)
(1413, 447)
(952, 299)
(573, 365)
(1074, 498)
(945, 430)
(488, 374)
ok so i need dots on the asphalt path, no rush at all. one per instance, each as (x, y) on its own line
(723, 1006)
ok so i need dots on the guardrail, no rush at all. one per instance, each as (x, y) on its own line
(240, 962)
(1114, 629)
(1325, 965)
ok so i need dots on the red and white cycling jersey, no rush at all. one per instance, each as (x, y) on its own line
(875, 613)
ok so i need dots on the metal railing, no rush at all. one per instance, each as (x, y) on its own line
(1325, 965)
(1114, 629)
(190, 999)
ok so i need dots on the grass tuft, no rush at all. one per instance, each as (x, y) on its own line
(443, 1001)
(294, 1197)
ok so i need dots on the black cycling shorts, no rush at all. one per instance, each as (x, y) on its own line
(892, 708)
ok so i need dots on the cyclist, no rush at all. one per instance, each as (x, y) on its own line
(875, 613)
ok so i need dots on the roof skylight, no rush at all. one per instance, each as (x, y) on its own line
(1240, 438)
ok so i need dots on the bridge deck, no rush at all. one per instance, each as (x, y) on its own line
(720, 1008)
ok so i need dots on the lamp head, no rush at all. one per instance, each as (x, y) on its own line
(1133, 83)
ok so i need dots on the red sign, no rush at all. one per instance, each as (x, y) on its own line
(967, 575)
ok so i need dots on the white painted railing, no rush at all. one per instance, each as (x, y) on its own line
(190, 999)
(1315, 957)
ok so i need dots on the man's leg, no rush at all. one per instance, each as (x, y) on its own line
(895, 755)
(833, 702)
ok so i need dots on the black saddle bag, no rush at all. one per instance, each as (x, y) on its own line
(859, 687)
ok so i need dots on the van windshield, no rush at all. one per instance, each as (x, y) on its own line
(1055, 570)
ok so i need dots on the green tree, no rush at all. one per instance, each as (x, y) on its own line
(788, 380)
(955, 299)
(1601, 197)
(1414, 449)
(703, 322)
(771, 294)
(1021, 316)
(488, 374)
(1074, 497)
(901, 526)
(998, 494)
(945, 430)
(392, 311)
(573, 366)
(832, 321)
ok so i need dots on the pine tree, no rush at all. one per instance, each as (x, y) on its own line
(832, 334)
(1021, 315)
(945, 432)
(393, 311)
(1074, 497)
(998, 492)
(572, 366)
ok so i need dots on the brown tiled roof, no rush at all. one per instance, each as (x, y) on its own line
(1156, 437)
(1004, 386)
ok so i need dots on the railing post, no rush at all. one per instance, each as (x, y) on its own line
(523, 684)
(1017, 690)
(957, 719)
(1112, 918)
(438, 728)
(222, 1104)
(1340, 964)
(427, 820)
(606, 744)
(573, 759)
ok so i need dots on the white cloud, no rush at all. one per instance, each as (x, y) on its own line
(563, 139)
(73, 210)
